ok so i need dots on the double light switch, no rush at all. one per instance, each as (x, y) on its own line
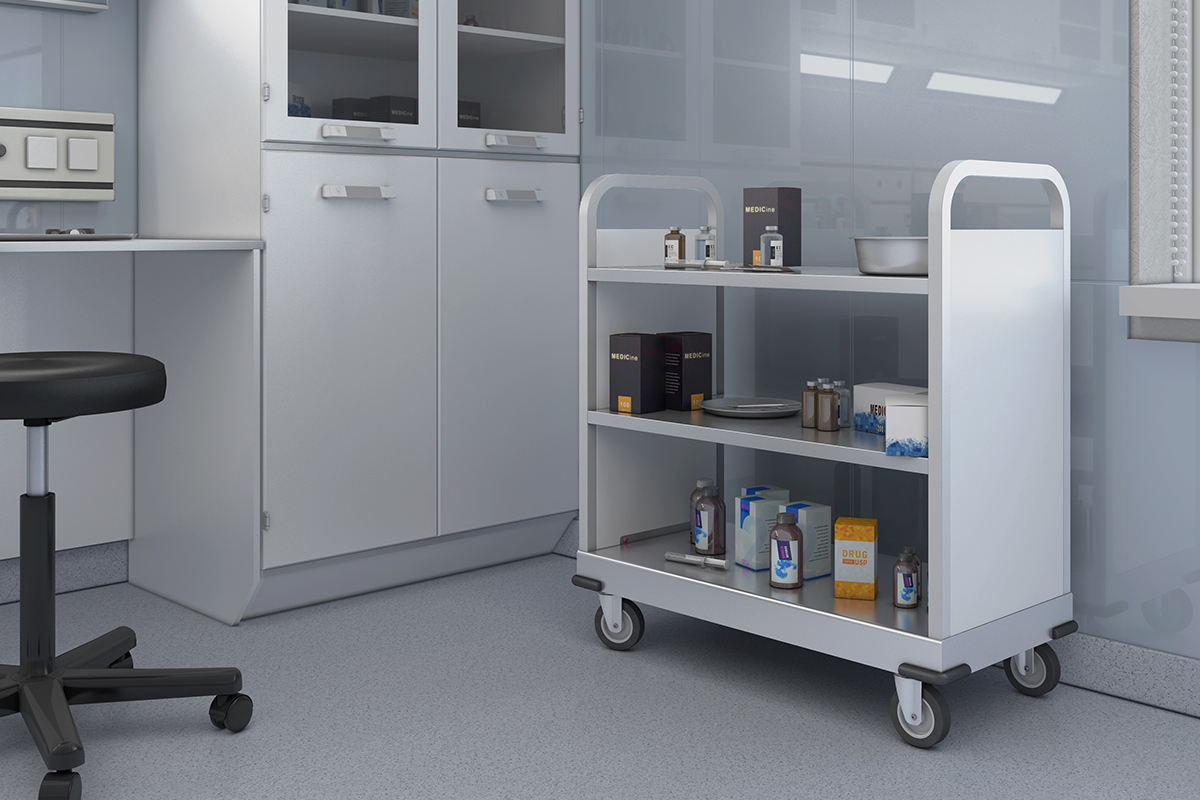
(68, 155)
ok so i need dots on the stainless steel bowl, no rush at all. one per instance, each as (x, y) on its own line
(892, 255)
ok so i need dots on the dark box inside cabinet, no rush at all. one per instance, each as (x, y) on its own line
(635, 373)
(687, 369)
(356, 108)
(399, 110)
(468, 114)
(771, 205)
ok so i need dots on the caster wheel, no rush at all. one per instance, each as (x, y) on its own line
(1043, 673)
(935, 719)
(124, 662)
(231, 711)
(1170, 613)
(61, 786)
(632, 626)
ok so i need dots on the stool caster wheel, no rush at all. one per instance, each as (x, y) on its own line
(61, 786)
(231, 711)
(124, 662)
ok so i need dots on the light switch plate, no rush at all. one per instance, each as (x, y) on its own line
(56, 155)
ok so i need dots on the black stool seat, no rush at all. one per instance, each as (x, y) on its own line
(52, 386)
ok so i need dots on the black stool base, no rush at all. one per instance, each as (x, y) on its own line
(84, 675)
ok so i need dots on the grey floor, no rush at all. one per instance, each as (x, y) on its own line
(492, 684)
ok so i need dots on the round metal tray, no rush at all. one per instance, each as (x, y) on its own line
(752, 407)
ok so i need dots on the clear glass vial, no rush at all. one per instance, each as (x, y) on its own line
(770, 244)
(845, 403)
(706, 243)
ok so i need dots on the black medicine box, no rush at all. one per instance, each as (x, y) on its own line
(355, 108)
(687, 369)
(771, 205)
(398, 110)
(468, 114)
(635, 373)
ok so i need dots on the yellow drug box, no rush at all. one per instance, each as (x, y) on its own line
(854, 552)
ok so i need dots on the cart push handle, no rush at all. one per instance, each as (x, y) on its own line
(954, 173)
(590, 204)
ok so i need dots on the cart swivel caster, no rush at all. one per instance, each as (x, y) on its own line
(1040, 674)
(934, 723)
(61, 786)
(632, 625)
(231, 711)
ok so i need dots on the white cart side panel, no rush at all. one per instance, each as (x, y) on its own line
(643, 483)
(991, 643)
(997, 401)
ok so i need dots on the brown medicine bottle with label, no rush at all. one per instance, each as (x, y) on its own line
(904, 583)
(674, 242)
(708, 531)
(808, 406)
(787, 548)
(827, 408)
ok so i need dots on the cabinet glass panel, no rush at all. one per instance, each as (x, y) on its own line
(516, 67)
(359, 66)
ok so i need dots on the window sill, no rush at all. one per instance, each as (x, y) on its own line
(1160, 300)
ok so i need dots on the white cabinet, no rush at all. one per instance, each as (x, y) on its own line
(325, 54)
(515, 66)
(508, 448)
(349, 353)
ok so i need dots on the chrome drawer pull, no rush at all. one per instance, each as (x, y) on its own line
(511, 195)
(356, 132)
(512, 140)
(361, 192)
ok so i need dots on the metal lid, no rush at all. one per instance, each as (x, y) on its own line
(700, 484)
(674, 229)
(705, 229)
(772, 227)
(785, 518)
(812, 384)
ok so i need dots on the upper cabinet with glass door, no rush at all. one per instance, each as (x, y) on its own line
(509, 76)
(355, 72)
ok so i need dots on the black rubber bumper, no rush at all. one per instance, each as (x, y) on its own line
(587, 583)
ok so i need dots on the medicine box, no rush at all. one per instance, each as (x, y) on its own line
(756, 515)
(356, 108)
(908, 425)
(397, 110)
(635, 375)
(813, 519)
(766, 490)
(468, 114)
(687, 369)
(870, 403)
(854, 558)
(771, 205)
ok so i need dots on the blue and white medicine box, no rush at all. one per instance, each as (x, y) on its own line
(816, 522)
(908, 425)
(870, 404)
(765, 490)
(756, 514)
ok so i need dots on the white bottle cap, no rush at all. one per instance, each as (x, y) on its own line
(772, 227)
(700, 484)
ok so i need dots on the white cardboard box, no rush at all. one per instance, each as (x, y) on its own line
(870, 403)
(908, 425)
(815, 520)
(751, 539)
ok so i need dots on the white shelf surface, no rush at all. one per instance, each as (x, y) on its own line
(831, 279)
(352, 33)
(816, 595)
(476, 42)
(129, 245)
(1164, 300)
(777, 435)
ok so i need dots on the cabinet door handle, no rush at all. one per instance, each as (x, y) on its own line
(512, 140)
(330, 192)
(356, 132)
(511, 195)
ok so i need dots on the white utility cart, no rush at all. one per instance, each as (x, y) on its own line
(997, 578)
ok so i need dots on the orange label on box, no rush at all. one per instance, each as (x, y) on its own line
(758, 257)
(856, 529)
(853, 590)
(696, 398)
(625, 404)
